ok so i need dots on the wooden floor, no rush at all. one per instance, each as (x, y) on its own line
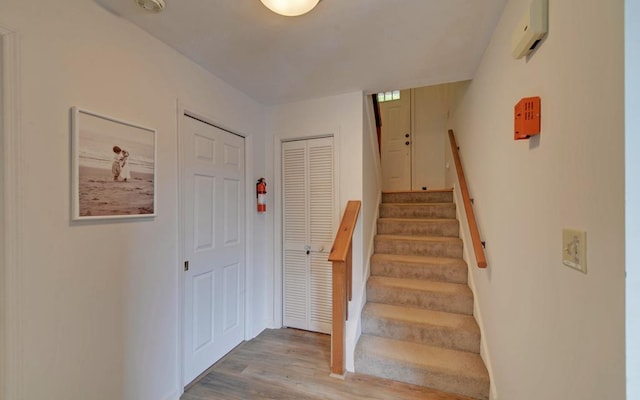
(291, 364)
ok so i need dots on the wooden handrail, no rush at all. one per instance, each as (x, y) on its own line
(478, 248)
(340, 256)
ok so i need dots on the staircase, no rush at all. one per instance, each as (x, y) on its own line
(417, 325)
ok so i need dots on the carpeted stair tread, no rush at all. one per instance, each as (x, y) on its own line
(448, 370)
(419, 267)
(424, 220)
(415, 284)
(437, 246)
(419, 226)
(447, 261)
(417, 239)
(433, 295)
(436, 328)
(429, 196)
(418, 210)
(421, 316)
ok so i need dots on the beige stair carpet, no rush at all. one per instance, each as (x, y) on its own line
(417, 325)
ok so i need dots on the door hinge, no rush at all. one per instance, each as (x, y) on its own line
(186, 265)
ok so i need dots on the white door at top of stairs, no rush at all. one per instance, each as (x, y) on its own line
(396, 143)
(309, 225)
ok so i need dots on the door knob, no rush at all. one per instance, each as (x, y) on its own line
(406, 135)
(407, 142)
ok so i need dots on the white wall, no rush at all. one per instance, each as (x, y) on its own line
(3, 296)
(431, 107)
(99, 314)
(342, 116)
(553, 333)
(632, 105)
(371, 198)
(371, 181)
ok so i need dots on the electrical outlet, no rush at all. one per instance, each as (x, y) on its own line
(574, 249)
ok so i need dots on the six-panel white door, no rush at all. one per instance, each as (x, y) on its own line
(214, 244)
(395, 157)
(309, 225)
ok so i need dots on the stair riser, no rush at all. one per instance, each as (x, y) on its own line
(420, 299)
(419, 228)
(422, 333)
(421, 197)
(421, 271)
(419, 248)
(417, 211)
(440, 380)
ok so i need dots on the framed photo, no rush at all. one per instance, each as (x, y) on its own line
(113, 168)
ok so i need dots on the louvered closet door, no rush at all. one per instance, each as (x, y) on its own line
(309, 226)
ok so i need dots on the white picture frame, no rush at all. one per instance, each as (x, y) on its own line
(107, 184)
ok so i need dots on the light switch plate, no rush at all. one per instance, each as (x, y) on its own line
(574, 249)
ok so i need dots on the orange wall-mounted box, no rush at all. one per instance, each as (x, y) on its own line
(526, 118)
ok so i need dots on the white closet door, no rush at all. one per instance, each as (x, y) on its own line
(214, 244)
(295, 229)
(309, 229)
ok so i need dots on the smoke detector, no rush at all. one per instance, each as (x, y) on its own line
(150, 5)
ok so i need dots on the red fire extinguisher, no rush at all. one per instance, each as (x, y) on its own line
(261, 190)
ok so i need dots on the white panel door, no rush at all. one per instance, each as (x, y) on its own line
(309, 225)
(214, 246)
(395, 155)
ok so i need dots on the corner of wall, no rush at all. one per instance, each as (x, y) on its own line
(470, 259)
(371, 197)
(522, 204)
(11, 361)
(632, 215)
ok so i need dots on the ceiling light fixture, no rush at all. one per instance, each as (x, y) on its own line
(150, 5)
(290, 8)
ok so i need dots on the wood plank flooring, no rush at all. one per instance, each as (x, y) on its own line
(292, 364)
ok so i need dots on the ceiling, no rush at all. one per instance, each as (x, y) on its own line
(340, 46)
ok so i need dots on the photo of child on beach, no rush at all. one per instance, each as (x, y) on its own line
(115, 164)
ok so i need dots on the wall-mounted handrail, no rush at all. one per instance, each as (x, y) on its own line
(340, 256)
(478, 248)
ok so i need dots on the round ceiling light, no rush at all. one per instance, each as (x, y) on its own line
(290, 8)
(151, 5)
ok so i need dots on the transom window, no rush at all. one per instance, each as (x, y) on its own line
(388, 96)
